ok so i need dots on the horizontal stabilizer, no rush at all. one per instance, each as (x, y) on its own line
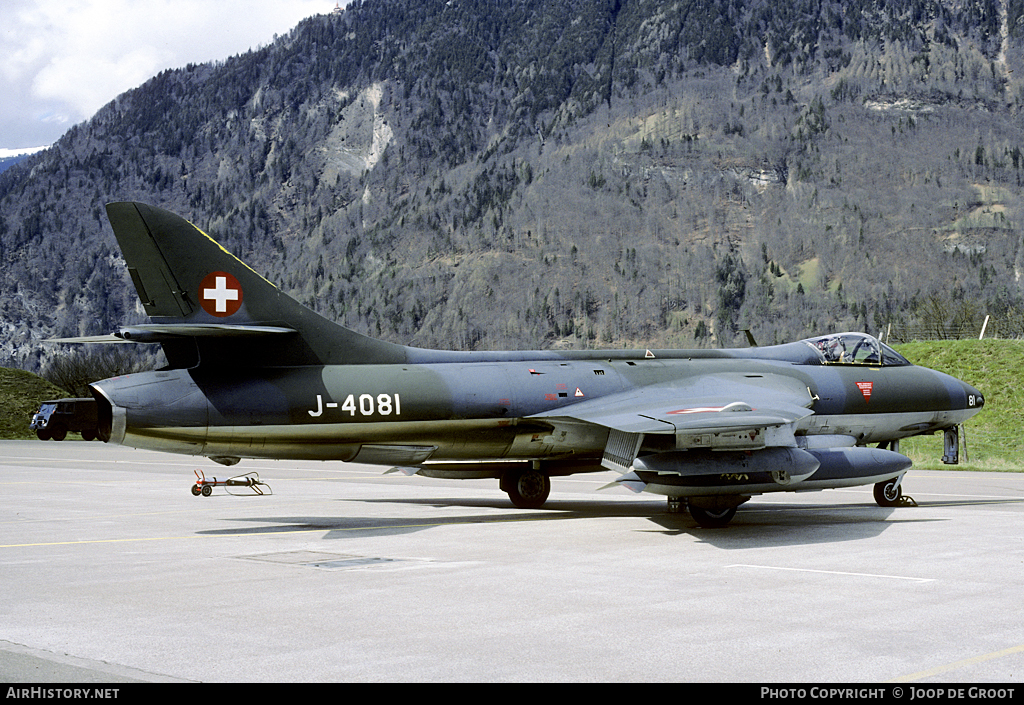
(160, 332)
(157, 332)
(110, 338)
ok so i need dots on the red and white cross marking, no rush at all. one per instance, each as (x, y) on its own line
(220, 294)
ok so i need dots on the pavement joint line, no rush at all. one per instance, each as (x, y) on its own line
(832, 572)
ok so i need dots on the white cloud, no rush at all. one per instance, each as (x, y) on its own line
(66, 60)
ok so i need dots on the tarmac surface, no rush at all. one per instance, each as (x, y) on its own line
(111, 571)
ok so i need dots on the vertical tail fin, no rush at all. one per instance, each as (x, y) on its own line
(207, 304)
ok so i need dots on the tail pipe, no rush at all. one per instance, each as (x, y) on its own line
(111, 419)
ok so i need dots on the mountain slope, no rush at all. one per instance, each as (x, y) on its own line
(22, 393)
(534, 173)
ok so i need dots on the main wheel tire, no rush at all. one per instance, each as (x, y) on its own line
(528, 489)
(712, 518)
(888, 493)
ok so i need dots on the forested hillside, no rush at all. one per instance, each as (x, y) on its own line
(585, 173)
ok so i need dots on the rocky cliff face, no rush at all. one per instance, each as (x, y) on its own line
(529, 174)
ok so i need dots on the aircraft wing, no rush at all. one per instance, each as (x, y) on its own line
(707, 411)
(713, 404)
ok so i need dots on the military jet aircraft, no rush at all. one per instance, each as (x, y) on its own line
(254, 374)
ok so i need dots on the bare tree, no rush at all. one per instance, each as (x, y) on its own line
(74, 370)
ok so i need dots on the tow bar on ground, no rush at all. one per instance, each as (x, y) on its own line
(250, 480)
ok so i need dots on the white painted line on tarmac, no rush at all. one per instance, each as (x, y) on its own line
(832, 572)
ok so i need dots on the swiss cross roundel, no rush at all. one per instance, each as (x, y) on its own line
(220, 294)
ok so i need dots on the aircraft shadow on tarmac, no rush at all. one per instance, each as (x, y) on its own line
(336, 527)
(755, 525)
(765, 525)
(352, 527)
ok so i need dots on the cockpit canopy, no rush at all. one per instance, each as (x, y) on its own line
(854, 349)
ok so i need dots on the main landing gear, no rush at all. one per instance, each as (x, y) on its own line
(528, 489)
(709, 512)
(712, 518)
(890, 494)
(716, 512)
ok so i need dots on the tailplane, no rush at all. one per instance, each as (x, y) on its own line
(209, 308)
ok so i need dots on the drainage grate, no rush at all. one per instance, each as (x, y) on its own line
(354, 562)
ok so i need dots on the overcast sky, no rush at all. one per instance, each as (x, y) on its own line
(62, 60)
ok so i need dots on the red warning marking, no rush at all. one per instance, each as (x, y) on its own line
(865, 389)
(220, 294)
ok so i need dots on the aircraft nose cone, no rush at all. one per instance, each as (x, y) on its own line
(975, 399)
